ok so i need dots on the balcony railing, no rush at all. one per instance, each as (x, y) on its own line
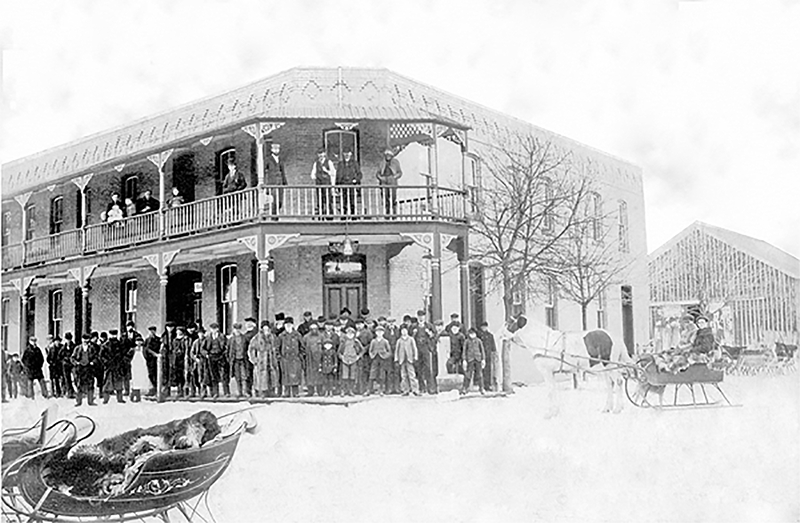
(282, 203)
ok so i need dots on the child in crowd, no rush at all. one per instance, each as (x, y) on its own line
(328, 366)
(474, 357)
(381, 354)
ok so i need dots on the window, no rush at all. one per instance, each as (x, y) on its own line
(518, 300)
(548, 222)
(473, 181)
(78, 209)
(4, 318)
(601, 310)
(337, 141)
(56, 315)
(6, 227)
(228, 293)
(56, 215)
(596, 216)
(130, 187)
(551, 305)
(222, 165)
(624, 245)
(130, 290)
(30, 212)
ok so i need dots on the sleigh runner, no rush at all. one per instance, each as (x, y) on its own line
(164, 481)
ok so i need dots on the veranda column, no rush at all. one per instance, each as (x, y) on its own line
(22, 285)
(436, 277)
(159, 159)
(82, 275)
(81, 182)
(263, 245)
(22, 200)
(161, 262)
(463, 263)
(433, 168)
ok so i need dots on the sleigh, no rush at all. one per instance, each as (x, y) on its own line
(645, 378)
(170, 480)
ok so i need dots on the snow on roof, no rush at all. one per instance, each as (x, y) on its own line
(759, 249)
(306, 93)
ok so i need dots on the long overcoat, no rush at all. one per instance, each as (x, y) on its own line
(33, 361)
(291, 349)
(313, 349)
(263, 354)
(115, 362)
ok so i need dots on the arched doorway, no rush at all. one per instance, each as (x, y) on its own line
(185, 297)
(344, 282)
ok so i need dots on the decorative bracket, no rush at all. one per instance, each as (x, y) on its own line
(23, 284)
(161, 260)
(22, 199)
(445, 239)
(423, 239)
(119, 167)
(346, 126)
(51, 188)
(273, 241)
(252, 130)
(82, 181)
(251, 242)
(82, 274)
(267, 127)
(159, 159)
(207, 140)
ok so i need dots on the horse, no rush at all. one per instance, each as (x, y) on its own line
(555, 351)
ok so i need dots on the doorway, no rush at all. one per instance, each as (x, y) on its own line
(30, 321)
(185, 298)
(183, 175)
(344, 281)
(78, 301)
(627, 318)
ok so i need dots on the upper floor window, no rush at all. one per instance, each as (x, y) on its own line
(551, 305)
(56, 315)
(56, 215)
(337, 141)
(4, 320)
(130, 291)
(595, 216)
(228, 294)
(130, 187)
(624, 245)
(30, 213)
(601, 310)
(6, 227)
(473, 181)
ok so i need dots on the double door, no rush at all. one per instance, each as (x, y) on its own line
(337, 296)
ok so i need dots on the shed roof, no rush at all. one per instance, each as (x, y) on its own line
(349, 94)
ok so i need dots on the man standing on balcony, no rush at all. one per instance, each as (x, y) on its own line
(274, 174)
(348, 174)
(147, 203)
(388, 175)
(234, 181)
(323, 173)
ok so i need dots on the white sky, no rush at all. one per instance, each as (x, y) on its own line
(704, 96)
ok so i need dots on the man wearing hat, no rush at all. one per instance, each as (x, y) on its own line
(215, 352)
(392, 334)
(237, 354)
(234, 180)
(350, 351)
(290, 349)
(323, 173)
(381, 354)
(388, 175)
(54, 364)
(262, 353)
(304, 327)
(152, 346)
(425, 337)
(490, 348)
(364, 336)
(348, 174)
(703, 342)
(455, 320)
(345, 321)
(250, 331)
(33, 362)
(312, 345)
(83, 358)
(279, 321)
(274, 174)
(114, 358)
(167, 337)
(129, 342)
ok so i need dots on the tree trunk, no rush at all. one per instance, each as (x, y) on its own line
(584, 306)
(505, 350)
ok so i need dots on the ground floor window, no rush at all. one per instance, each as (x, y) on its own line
(601, 310)
(4, 319)
(551, 305)
(228, 293)
(130, 289)
(56, 313)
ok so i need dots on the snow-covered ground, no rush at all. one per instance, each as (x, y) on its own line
(408, 459)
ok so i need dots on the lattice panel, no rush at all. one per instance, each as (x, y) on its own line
(404, 131)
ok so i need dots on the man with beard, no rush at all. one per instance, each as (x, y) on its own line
(263, 354)
(323, 172)
(33, 361)
(291, 351)
(167, 338)
(348, 175)
(274, 174)
(179, 347)
(214, 351)
(65, 356)
(84, 357)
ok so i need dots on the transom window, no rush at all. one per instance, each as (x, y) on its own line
(228, 297)
(30, 212)
(337, 141)
(130, 291)
(56, 313)
(56, 215)
(624, 245)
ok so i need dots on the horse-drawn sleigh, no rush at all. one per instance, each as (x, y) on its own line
(159, 482)
(596, 352)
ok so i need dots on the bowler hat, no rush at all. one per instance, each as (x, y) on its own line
(289, 320)
(280, 316)
(264, 323)
(237, 325)
(250, 319)
(152, 328)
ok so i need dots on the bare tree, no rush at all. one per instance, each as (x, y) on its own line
(531, 199)
(590, 260)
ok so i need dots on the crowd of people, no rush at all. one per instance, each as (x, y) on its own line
(696, 345)
(317, 357)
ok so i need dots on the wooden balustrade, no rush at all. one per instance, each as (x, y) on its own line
(284, 203)
(54, 247)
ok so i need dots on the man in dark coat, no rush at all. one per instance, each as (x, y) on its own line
(490, 347)
(65, 356)
(323, 172)
(114, 358)
(304, 327)
(147, 203)
(179, 347)
(33, 361)
(291, 351)
(54, 365)
(348, 175)
(425, 337)
(237, 358)
(234, 181)
(129, 342)
(99, 372)
(457, 341)
(215, 352)
(152, 346)
(274, 174)
(84, 358)
(250, 331)
(166, 345)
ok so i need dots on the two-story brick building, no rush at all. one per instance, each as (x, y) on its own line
(222, 257)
